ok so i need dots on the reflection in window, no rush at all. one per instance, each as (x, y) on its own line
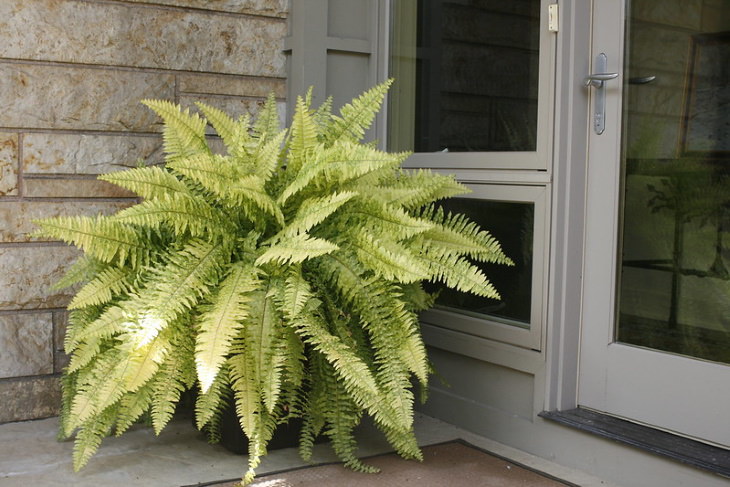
(675, 261)
(512, 225)
(466, 75)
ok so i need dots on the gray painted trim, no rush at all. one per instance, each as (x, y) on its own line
(568, 213)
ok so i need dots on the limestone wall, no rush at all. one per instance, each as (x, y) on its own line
(72, 73)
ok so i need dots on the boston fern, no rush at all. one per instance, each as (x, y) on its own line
(285, 275)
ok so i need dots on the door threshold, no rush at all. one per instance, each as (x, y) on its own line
(679, 448)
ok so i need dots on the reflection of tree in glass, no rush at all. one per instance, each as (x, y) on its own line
(694, 190)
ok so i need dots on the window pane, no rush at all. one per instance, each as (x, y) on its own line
(466, 75)
(512, 225)
(675, 268)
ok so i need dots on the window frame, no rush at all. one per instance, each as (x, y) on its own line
(492, 327)
(537, 160)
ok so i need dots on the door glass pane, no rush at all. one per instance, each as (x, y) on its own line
(511, 223)
(466, 75)
(675, 271)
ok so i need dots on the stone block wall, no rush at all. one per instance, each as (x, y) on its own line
(72, 73)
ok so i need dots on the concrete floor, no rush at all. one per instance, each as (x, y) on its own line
(31, 456)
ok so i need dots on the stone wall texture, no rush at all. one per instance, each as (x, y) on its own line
(72, 73)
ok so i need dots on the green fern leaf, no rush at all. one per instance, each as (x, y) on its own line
(455, 234)
(110, 282)
(131, 407)
(84, 269)
(267, 123)
(413, 189)
(246, 391)
(389, 259)
(220, 176)
(268, 158)
(234, 134)
(207, 404)
(184, 132)
(296, 249)
(148, 182)
(176, 374)
(296, 294)
(100, 237)
(144, 360)
(176, 288)
(106, 325)
(458, 273)
(356, 117)
(313, 211)
(303, 135)
(389, 220)
(220, 323)
(182, 213)
(90, 436)
(83, 354)
(86, 402)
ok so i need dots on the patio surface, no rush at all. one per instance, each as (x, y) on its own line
(31, 456)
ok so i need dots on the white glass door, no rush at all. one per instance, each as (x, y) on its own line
(656, 305)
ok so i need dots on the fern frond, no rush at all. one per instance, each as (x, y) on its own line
(267, 123)
(84, 269)
(296, 294)
(208, 404)
(313, 211)
(131, 407)
(222, 177)
(90, 435)
(390, 220)
(182, 213)
(263, 332)
(105, 325)
(184, 132)
(83, 354)
(303, 135)
(349, 161)
(315, 166)
(458, 273)
(220, 323)
(412, 189)
(175, 375)
(174, 289)
(109, 283)
(347, 365)
(148, 182)
(456, 234)
(356, 117)
(343, 415)
(234, 133)
(323, 114)
(100, 237)
(86, 402)
(245, 389)
(315, 404)
(268, 157)
(144, 359)
(296, 249)
(68, 391)
(378, 310)
(389, 259)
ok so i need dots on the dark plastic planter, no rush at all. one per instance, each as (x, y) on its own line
(233, 439)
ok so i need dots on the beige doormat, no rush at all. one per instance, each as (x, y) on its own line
(452, 464)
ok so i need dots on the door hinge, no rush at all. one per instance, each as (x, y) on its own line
(553, 17)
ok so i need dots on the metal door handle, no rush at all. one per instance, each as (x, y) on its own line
(641, 81)
(597, 80)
